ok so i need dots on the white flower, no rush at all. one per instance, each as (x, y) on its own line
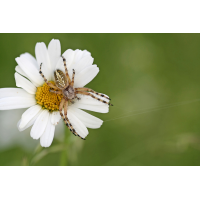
(43, 105)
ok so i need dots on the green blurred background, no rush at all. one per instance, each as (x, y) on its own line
(138, 72)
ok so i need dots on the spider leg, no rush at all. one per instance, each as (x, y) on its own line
(61, 113)
(69, 124)
(92, 91)
(71, 100)
(78, 98)
(73, 75)
(66, 71)
(89, 94)
(56, 92)
(48, 83)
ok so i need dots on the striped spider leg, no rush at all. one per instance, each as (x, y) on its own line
(90, 92)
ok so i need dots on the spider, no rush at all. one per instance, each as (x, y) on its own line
(65, 86)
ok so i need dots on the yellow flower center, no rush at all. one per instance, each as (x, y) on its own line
(46, 99)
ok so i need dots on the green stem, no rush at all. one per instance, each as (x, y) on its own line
(44, 152)
(64, 154)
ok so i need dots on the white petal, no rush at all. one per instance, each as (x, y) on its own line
(77, 124)
(48, 135)
(100, 109)
(60, 65)
(42, 56)
(10, 103)
(54, 50)
(30, 123)
(69, 56)
(20, 71)
(78, 55)
(29, 57)
(81, 64)
(14, 92)
(55, 117)
(28, 115)
(86, 53)
(40, 125)
(25, 84)
(85, 76)
(30, 70)
(88, 120)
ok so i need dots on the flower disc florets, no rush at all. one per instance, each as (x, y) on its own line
(47, 99)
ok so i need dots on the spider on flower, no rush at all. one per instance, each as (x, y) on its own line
(65, 87)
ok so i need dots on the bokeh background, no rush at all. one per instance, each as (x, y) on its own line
(141, 73)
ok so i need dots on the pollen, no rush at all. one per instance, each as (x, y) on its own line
(48, 100)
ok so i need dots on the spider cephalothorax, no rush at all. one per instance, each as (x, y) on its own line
(65, 86)
(69, 92)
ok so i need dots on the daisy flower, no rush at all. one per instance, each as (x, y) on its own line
(52, 86)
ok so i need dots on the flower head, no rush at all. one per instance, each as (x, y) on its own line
(52, 86)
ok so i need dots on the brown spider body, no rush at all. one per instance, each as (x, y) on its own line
(62, 83)
(65, 86)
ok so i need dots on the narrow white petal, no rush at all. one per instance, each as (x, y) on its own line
(30, 123)
(20, 71)
(48, 135)
(77, 124)
(77, 55)
(42, 56)
(60, 65)
(24, 83)
(30, 70)
(88, 120)
(28, 115)
(55, 117)
(14, 92)
(54, 50)
(69, 56)
(29, 57)
(10, 103)
(100, 109)
(85, 76)
(40, 125)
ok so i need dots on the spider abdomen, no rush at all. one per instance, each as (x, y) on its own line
(60, 79)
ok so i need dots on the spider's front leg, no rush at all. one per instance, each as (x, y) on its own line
(66, 71)
(48, 83)
(73, 75)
